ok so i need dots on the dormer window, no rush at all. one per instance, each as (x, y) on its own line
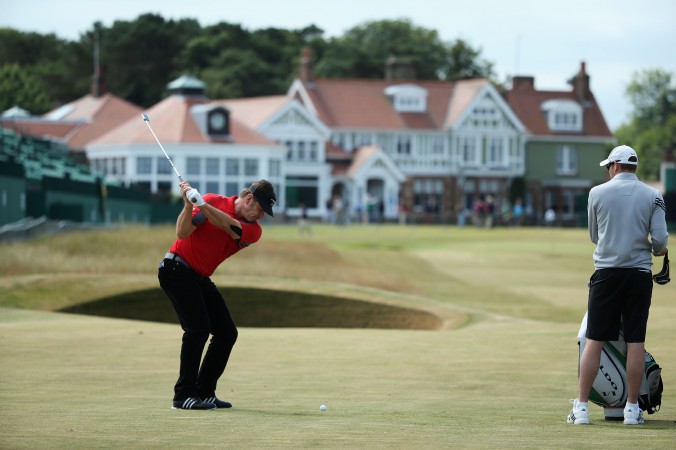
(407, 97)
(563, 115)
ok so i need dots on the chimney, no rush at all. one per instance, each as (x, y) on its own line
(580, 84)
(98, 85)
(521, 83)
(399, 69)
(306, 73)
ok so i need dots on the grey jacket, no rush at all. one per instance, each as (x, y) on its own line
(626, 222)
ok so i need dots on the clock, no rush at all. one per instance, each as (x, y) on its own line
(218, 122)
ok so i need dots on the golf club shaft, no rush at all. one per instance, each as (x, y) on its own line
(146, 119)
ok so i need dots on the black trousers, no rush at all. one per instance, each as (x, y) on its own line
(202, 311)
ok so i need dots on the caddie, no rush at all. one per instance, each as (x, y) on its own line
(628, 225)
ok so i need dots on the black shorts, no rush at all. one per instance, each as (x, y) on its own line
(619, 299)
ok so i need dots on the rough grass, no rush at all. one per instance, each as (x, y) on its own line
(498, 374)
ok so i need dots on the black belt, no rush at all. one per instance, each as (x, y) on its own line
(178, 259)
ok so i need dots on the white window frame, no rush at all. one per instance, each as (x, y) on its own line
(566, 160)
(563, 115)
(496, 152)
(469, 153)
(407, 97)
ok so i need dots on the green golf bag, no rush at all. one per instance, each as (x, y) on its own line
(609, 389)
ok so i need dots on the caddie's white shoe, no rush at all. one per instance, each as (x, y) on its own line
(633, 416)
(579, 414)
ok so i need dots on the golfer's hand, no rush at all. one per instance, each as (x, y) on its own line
(195, 198)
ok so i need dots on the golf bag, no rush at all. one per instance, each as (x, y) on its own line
(609, 389)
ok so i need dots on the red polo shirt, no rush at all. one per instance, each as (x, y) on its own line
(207, 247)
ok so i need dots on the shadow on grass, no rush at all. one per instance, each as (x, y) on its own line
(268, 308)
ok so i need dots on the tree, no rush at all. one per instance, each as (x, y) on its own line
(139, 58)
(652, 126)
(362, 52)
(463, 62)
(236, 73)
(61, 67)
(19, 88)
(653, 96)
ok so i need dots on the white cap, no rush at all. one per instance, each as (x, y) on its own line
(623, 155)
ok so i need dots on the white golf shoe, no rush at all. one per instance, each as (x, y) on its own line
(633, 415)
(579, 414)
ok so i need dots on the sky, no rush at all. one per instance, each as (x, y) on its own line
(548, 40)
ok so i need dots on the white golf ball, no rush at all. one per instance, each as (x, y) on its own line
(322, 408)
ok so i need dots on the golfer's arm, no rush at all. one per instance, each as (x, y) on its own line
(591, 222)
(659, 235)
(184, 225)
(221, 220)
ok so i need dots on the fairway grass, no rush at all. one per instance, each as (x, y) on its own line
(72, 381)
(498, 374)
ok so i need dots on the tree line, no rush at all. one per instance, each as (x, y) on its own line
(139, 57)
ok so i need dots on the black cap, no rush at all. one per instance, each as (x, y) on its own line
(264, 194)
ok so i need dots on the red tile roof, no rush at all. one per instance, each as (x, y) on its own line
(39, 127)
(172, 123)
(352, 103)
(526, 102)
(358, 104)
(101, 115)
(79, 122)
(254, 111)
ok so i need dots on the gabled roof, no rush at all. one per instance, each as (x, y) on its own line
(527, 106)
(475, 94)
(463, 98)
(367, 156)
(15, 111)
(258, 113)
(79, 122)
(39, 127)
(254, 111)
(351, 103)
(98, 114)
(526, 102)
(172, 123)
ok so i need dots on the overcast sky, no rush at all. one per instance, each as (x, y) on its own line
(544, 39)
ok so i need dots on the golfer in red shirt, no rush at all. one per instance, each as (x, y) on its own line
(210, 229)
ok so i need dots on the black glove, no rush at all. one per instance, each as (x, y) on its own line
(663, 276)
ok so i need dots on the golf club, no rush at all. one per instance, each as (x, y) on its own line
(146, 119)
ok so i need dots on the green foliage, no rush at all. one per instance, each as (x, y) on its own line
(235, 73)
(363, 51)
(138, 58)
(652, 128)
(464, 62)
(20, 88)
(653, 96)
(236, 63)
(60, 68)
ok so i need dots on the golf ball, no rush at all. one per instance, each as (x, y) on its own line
(322, 408)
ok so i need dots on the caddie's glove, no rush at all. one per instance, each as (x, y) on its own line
(195, 197)
(663, 276)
